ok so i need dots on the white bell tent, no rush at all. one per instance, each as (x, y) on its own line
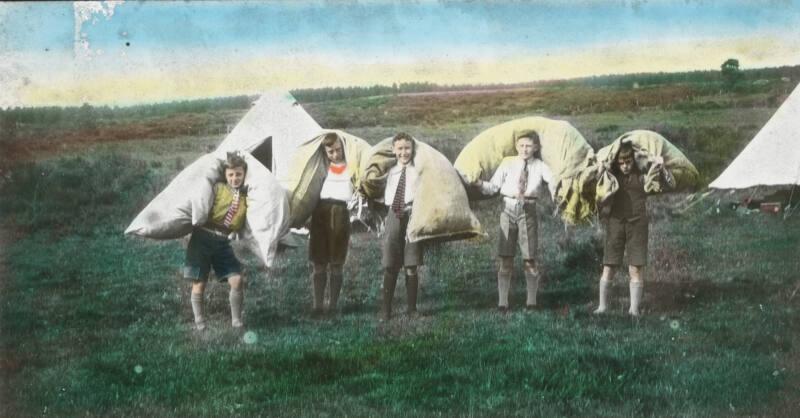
(772, 158)
(271, 131)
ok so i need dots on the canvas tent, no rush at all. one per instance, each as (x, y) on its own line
(272, 130)
(772, 158)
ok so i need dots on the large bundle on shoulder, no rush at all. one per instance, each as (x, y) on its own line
(187, 201)
(564, 150)
(309, 167)
(440, 210)
(648, 147)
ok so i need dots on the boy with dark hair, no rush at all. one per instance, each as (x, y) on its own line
(330, 226)
(626, 225)
(401, 184)
(209, 245)
(520, 181)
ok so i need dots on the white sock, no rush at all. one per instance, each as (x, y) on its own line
(503, 286)
(197, 309)
(603, 305)
(637, 290)
(236, 297)
(532, 281)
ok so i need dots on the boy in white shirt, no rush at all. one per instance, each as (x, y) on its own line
(330, 227)
(397, 252)
(520, 181)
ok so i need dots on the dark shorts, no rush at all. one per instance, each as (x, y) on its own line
(626, 238)
(518, 228)
(330, 233)
(208, 250)
(397, 252)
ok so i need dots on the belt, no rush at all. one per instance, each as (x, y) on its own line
(406, 208)
(215, 231)
(515, 200)
(333, 202)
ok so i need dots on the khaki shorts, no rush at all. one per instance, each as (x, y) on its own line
(397, 252)
(330, 233)
(626, 238)
(518, 228)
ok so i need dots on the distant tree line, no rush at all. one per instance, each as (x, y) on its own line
(714, 78)
(352, 92)
(85, 116)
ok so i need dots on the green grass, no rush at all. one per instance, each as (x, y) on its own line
(98, 324)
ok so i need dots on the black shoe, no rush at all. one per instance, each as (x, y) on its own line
(503, 309)
(533, 308)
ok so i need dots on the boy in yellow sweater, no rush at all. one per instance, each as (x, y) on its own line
(210, 247)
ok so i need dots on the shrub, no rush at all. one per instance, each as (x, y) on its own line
(75, 193)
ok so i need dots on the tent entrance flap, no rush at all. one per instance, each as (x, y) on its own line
(263, 153)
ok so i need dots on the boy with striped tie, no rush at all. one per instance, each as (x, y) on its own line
(520, 180)
(209, 245)
(397, 251)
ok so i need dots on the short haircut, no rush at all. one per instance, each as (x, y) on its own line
(625, 150)
(532, 135)
(330, 139)
(402, 136)
(234, 160)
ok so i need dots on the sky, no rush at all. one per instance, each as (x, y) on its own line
(123, 52)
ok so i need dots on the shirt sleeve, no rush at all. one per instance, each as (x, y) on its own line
(493, 186)
(547, 177)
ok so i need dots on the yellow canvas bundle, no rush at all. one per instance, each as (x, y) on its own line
(564, 150)
(647, 146)
(440, 209)
(309, 168)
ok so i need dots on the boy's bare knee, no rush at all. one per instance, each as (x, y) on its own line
(236, 282)
(608, 272)
(318, 268)
(530, 267)
(506, 264)
(198, 286)
(337, 268)
(636, 273)
(411, 271)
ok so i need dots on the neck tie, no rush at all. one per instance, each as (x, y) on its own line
(232, 210)
(522, 184)
(399, 201)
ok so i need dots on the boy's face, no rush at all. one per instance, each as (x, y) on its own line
(335, 152)
(526, 147)
(235, 176)
(403, 150)
(625, 164)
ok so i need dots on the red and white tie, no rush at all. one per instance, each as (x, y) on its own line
(232, 210)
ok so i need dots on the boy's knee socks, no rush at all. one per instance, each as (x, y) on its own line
(637, 290)
(602, 306)
(236, 297)
(503, 286)
(532, 283)
(197, 309)
(319, 279)
(336, 289)
(389, 283)
(412, 287)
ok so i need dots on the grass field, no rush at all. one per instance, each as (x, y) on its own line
(97, 324)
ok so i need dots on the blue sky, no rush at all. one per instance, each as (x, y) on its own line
(164, 37)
